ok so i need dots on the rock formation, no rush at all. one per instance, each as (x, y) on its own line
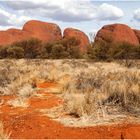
(32, 29)
(84, 41)
(137, 32)
(49, 32)
(42, 30)
(12, 35)
(117, 33)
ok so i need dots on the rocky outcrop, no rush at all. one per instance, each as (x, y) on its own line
(42, 30)
(12, 35)
(117, 33)
(81, 36)
(32, 29)
(48, 32)
(137, 32)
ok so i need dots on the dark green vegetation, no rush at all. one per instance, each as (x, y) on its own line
(34, 48)
(68, 49)
(102, 50)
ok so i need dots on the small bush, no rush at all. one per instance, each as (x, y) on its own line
(58, 51)
(99, 51)
(104, 92)
(15, 52)
(74, 52)
(34, 48)
(102, 50)
(3, 52)
(123, 51)
(66, 48)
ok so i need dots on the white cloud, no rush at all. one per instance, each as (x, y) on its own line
(4, 16)
(136, 14)
(66, 10)
(109, 12)
(61, 10)
(10, 19)
(18, 21)
(29, 4)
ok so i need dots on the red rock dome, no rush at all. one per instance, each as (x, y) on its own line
(32, 29)
(137, 32)
(42, 30)
(12, 35)
(117, 33)
(84, 41)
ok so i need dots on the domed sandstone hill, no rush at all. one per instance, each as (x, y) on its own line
(137, 32)
(117, 33)
(12, 35)
(47, 32)
(32, 29)
(81, 36)
(43, 30)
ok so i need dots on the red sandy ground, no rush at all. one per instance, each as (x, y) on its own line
(29, 123)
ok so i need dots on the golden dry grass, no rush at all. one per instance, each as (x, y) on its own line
(92, 91)
(3, 134)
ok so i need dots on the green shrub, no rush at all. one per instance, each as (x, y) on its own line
(32, 47)
(15, 52)
(136, 52)
(66, 48)
(3, 52)
(58, 51)
(68, 42)
(101, 50)
(69, 48)
(74, 52)
(124, 51)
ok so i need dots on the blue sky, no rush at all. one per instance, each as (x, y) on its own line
(86, 15)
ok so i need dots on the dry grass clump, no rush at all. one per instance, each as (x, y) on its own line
(24, 94)
(104, 93)
(26, 91)
(129, 63)
(20, 77)
(3, 134)
(19, 102)
(95, 90)
(15, 75)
